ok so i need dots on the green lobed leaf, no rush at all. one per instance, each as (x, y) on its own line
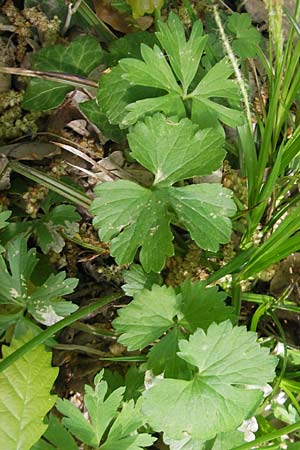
(122, 435)
(25, 396)
(154, 71)
(136, 279)
(102, 410)
(147, 317)
(204, 210)
(246, 37)
(170, 104)
(115, 93)
(163, 358)
(80, 57)
(184, 55)
(159, 311)
(227, 359)
(17, 289)
(216, 84)
(131, 216)
(200, 306)
(174, 151)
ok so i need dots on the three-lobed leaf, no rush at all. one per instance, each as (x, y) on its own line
(132, 216)
(226, 359)
(246, 37)
(124, 103)
(160, 312)
(103, 410)
(25, 396)
(43, 302)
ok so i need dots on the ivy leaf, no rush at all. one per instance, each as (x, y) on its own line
(147, 317)
(136, 279)
(227, 359)
(80, 57)
(184, 55)
(22, 407)
(43, 302)
(102, 411)
(141, 7)
(246, 37)
(96, 116)
(201, 306)
(174, 151)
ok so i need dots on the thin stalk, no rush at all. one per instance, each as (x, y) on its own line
(66, 78)
(190, 11)
(70, 193)
(53, 329)
(269, 437)
(236, 295)
(95, 22)
(92, 329)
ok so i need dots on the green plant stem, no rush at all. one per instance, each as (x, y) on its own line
(69, 192)
(236, 295)
(269, 437)
(66, 78)
(190, 11)
(92, 20)
(53, 329)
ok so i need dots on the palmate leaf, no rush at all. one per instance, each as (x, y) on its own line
(174, 151)
(147, 317)
(80, 57)
(136, 279)
(184, 55)
(216, 83)
(124, 103)
(43, 302)
(131, 216)
(102, 411)
(246, 37)
(25, 396)
(227, 359)
(122, 435)
(153, 313)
